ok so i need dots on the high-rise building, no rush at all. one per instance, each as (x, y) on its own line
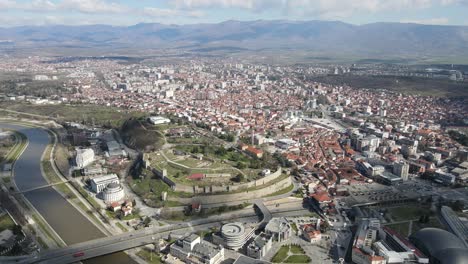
(401, 169)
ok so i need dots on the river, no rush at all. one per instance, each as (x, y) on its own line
(67, 221)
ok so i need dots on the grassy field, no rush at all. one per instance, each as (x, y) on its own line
(88, 114)
(404, 228)
(407, 213)
(123, 228)
(281, 255)
(149, 257)
(6, 222)
(63, 188)
(291, 254)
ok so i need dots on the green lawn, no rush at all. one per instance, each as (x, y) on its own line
(63, 188)
(281, 255)
(295, 249)
(6, 222)
(298, 259)
(115, 215)
(407, 212)
(294, 227)
(123, 228)
(149, 257)
(291, 254)
(89, 114)
(401, 228)
(7, 180)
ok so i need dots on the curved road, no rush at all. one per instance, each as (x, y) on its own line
(67, 222)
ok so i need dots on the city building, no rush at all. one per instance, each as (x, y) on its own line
(401, 169)
(457, 226)
(113, 192)
(158, 120)
(279, 229)
(233, 235)
(442, 247)
(84, 157)
(374, 244)
(191, 249)
(98, 184)
(259, 246)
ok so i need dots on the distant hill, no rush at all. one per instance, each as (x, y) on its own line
(318, 38)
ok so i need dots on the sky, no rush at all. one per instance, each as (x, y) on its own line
(130, 12)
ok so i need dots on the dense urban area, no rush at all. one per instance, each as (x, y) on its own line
(220, 160)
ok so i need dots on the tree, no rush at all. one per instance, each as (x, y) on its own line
(230, 138)
(239, 177)
(17, 230)
(147, 221)
(240, 165)
(457, 206)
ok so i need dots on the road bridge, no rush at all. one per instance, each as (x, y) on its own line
(107, 245)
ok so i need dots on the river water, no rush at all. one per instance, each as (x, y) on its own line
(67, 222)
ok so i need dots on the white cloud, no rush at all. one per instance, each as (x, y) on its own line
(82, 6)
(92, 6)
(165, 12)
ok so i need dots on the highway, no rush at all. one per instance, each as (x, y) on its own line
(107, 245)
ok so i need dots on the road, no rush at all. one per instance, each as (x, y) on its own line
(65, 220)
(138, 238)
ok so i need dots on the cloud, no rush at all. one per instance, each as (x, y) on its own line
(92, 6)
(430, 21)
(165, 12)
(82, 6)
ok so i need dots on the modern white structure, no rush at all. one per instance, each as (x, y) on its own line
(84, 157)
(98, 184)
(279, 228)
(158, 120)
(192, 249)
(113, 193)
(233, 235)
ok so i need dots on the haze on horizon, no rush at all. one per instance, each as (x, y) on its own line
(126, 12)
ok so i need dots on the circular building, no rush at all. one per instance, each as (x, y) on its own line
(440, 246)
(113, 192)
(235, 235)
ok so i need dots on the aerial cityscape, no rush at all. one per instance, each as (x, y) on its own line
(192, 138)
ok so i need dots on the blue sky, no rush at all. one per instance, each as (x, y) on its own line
(126, 12)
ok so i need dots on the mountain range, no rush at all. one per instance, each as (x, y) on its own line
(317, 38)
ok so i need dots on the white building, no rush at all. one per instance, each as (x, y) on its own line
(84, 157)
(158, 120)
(98, 184)
(233, 235)
(113, 193)
(192, 249)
